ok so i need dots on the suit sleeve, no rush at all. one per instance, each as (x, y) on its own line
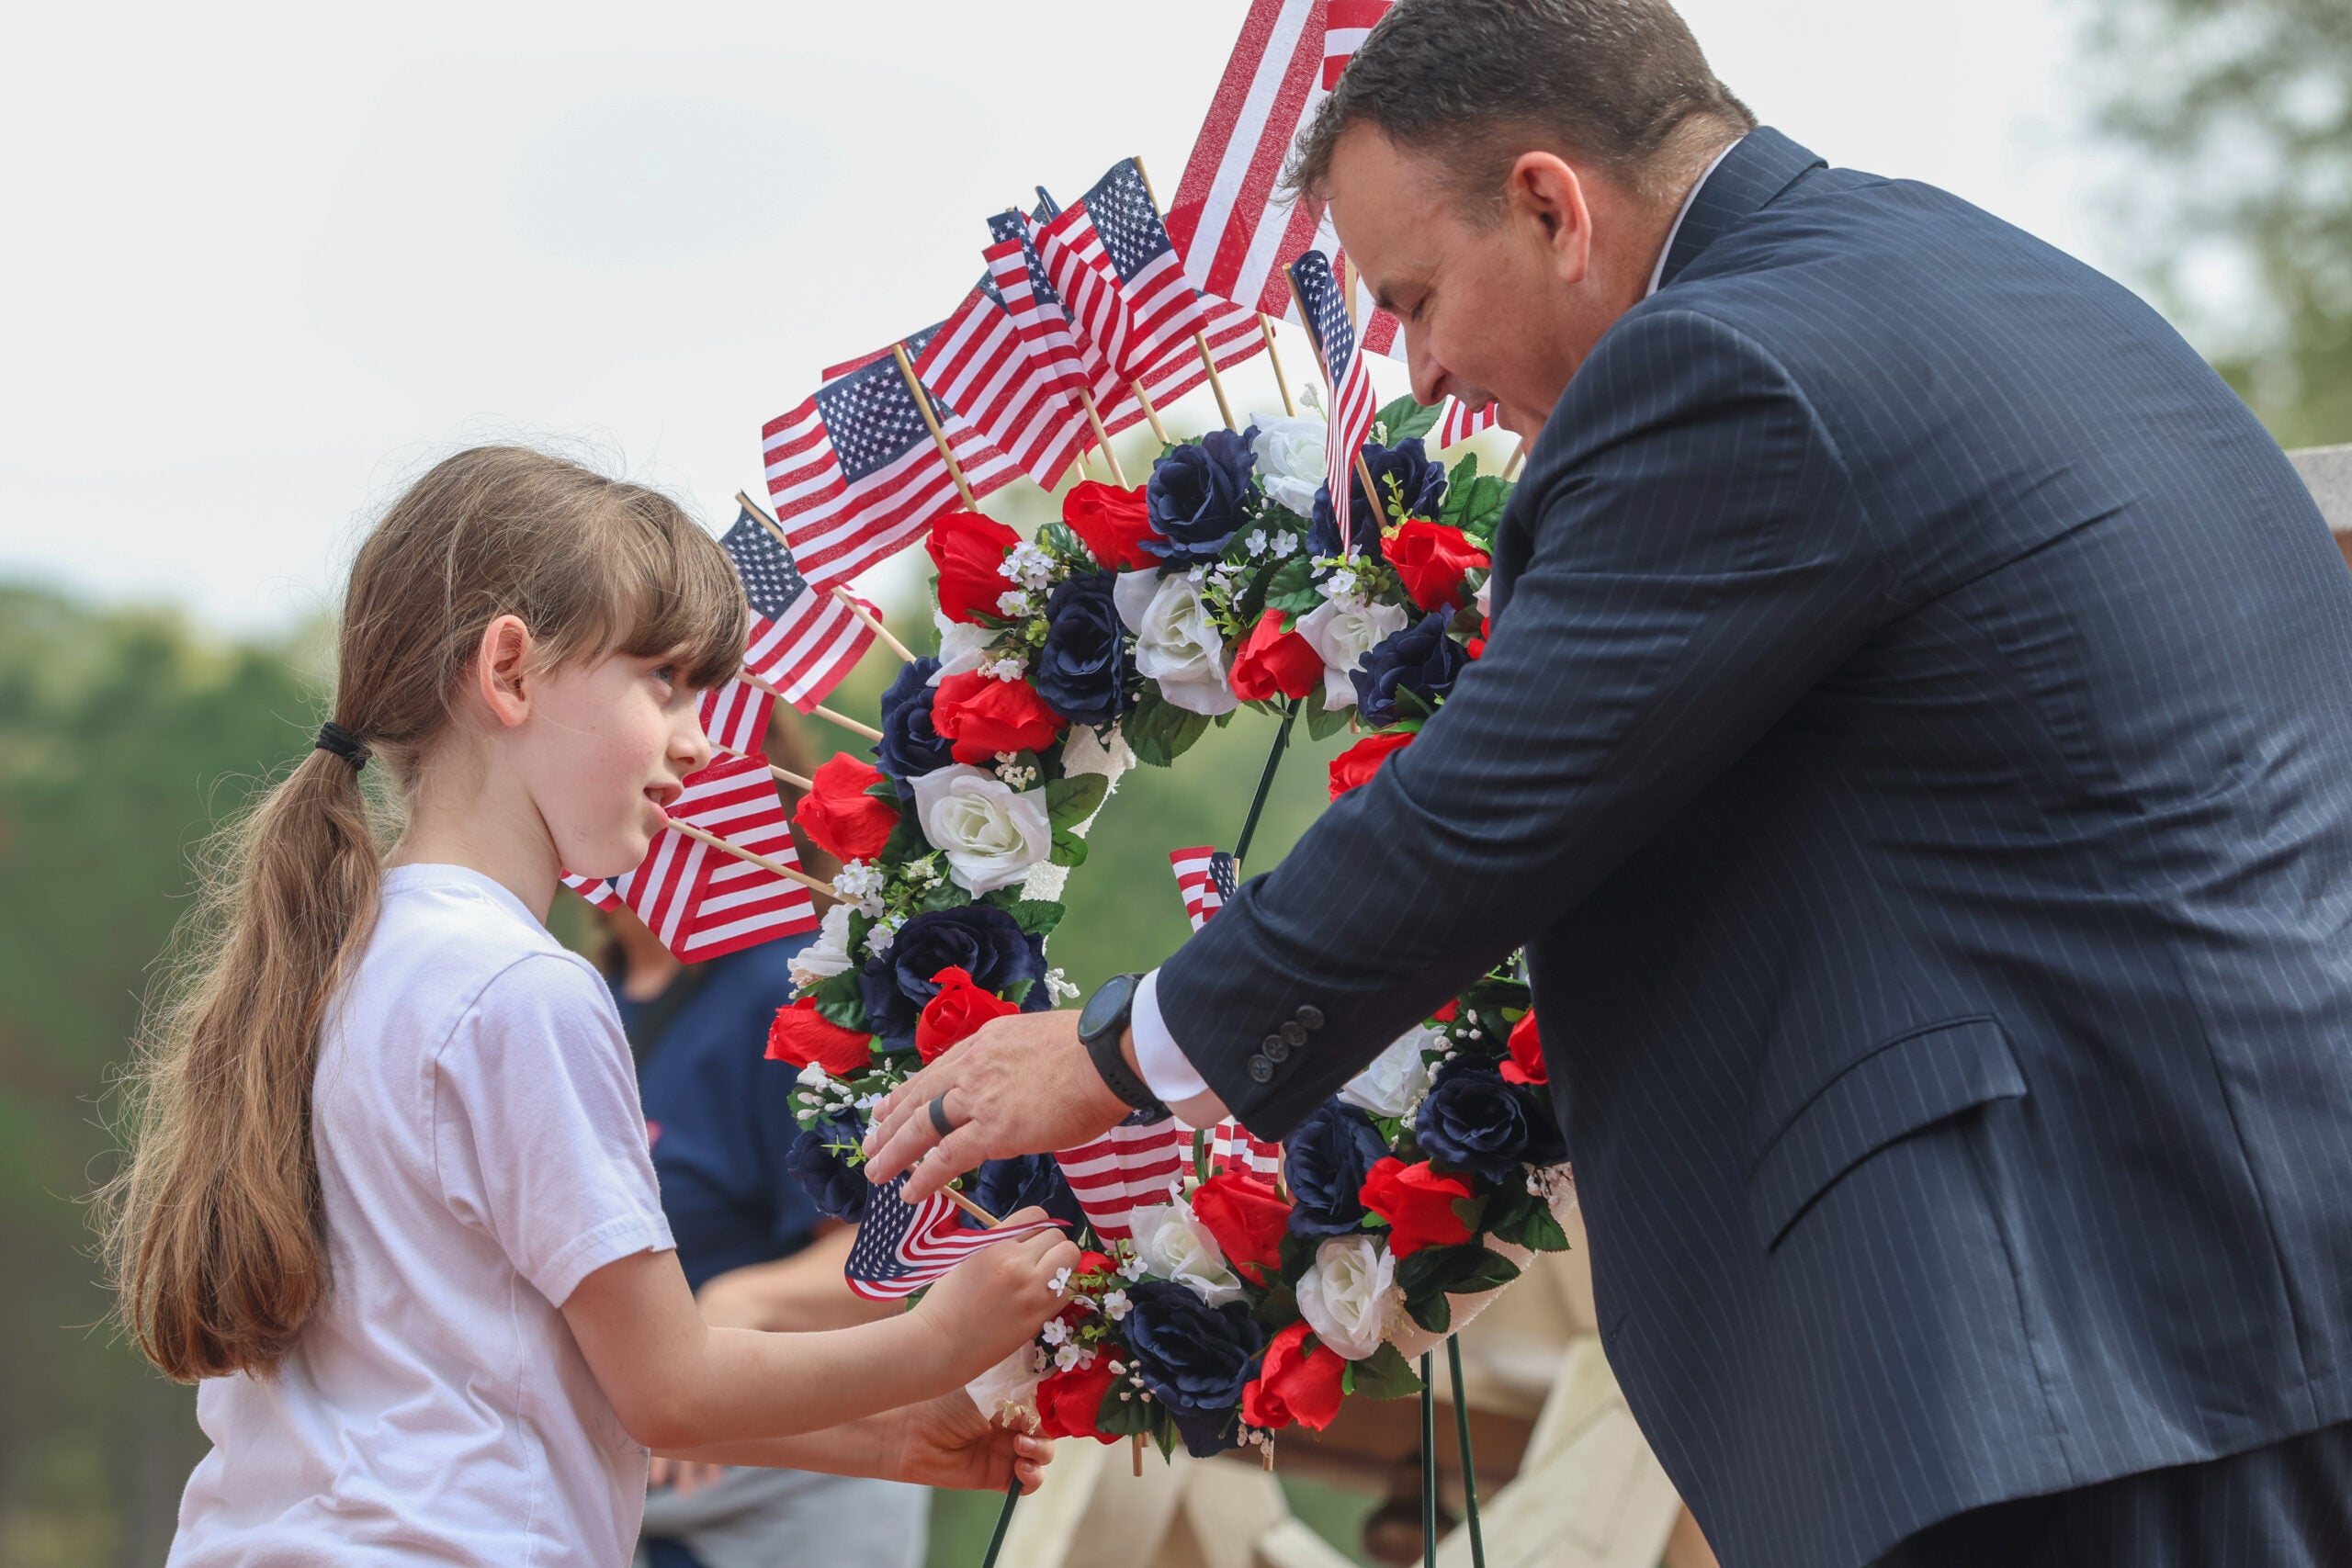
(1691, 562)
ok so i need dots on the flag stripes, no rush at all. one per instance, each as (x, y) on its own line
(1352, 405)
(979, 362)
(1460, 421)
(902, 1247)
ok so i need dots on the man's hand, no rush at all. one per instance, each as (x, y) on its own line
(948, 1442)
(1022, 1085)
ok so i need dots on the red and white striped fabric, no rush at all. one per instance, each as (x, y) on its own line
(902, 1247)
(1352, 405)
(735, 716)
(1119, 274)
(703, 903)
(1203, 877)
(1460, 422)
(1126, 1168)
(979, 362)
(805, 656)
(1236, 238)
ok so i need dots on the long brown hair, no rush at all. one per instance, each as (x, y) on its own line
(215, 1228)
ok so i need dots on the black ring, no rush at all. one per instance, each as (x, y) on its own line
(939, 1122)
(334, 738)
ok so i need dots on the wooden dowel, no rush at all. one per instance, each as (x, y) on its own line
(986, 1219)
(1139, 1453)
(780, 775)
(930, 422)
(847, 723)
(770, 523)
(1516, 458)
(1148, 412)
(790, 873)
(1102, 437)
(873, 622)
(1208, 363)
(1274, 358)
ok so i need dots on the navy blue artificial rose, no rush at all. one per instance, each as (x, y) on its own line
(1420, 660)
(1325, 1160)
(1006, 1186)
(979, 939)
(1082, 669)
(1192, 1357)
(1418, 477)
(1473, 1121)
(1196, 498)
(909, 747)
(837, 1188)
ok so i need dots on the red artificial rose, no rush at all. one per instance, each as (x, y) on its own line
(1354, 767)
(837, 814)
(968, 549)
(1243, 1212)
(1476, 646)
(1275, 661)
(955, 1013)
(983, 716)
(1430, 558)
(1447, 1013)
(801, 1035)
(1417, 1203)
(1299, 1383)
(1112, 522)
(1070, 1400)
(1526, 1064)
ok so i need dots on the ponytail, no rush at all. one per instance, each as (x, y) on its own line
(215, 1228)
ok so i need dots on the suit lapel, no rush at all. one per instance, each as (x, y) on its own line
(1764, 165)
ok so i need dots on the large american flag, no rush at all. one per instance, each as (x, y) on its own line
(1234, 238)
(1111, 261)
(1460, 421)
(804, 640)
(902, 1247)
(855, 476)
(1352, 405)
(978, 361)
(1205, 877)
(702, 902)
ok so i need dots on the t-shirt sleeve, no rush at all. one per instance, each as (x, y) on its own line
(538, 1137)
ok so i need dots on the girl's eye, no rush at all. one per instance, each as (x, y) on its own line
(667, 674)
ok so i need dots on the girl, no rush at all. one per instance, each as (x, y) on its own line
(389, 1196)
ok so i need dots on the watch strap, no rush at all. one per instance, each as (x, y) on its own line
(1110, 1062)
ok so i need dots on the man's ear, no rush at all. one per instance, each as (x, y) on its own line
(1544, 191)
(501, 667)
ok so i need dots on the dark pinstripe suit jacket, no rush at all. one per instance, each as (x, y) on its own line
(1916, 750)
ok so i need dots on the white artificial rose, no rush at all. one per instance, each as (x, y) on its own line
(829, 954)
(1341, 635)
(1178, 647)
(1484, 599)
(1397, 1079)
(1347, 1295)
(961, 647)
(1174, 1246)
(1289, 453)
(991, 833)
(1008, 1391)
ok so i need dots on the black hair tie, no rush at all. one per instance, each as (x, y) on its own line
(334, 738)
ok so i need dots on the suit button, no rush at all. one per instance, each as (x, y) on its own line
(1311, 1016)
(1296, 1033)
(1276, 1048)
(1261, 1070)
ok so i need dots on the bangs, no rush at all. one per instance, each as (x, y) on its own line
(672, 591)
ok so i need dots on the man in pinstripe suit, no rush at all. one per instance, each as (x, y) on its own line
(1914, 748)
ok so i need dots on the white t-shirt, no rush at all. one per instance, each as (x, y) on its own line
(483, 1151)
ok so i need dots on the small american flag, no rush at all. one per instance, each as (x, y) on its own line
(979, 362)
(702, 903)
(735, 716)
(902, 1247)
(1112, 261)
(804, 640)
(1205, 877)
(1352, 398)
(1131, 1167)
(1460, 421)
(855, 476)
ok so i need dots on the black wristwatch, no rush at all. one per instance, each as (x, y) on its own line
(1100, 1024)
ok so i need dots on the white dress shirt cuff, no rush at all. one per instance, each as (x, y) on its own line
(1166, 1070)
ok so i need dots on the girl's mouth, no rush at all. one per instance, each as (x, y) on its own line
(664, 796)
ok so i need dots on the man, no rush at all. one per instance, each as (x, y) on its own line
(1913, 749)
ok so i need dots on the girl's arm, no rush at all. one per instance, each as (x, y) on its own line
(678, 1383)
(940, 1442)
(802, 1291)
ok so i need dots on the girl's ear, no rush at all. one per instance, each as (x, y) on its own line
(500, 665)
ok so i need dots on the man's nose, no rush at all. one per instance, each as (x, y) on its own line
(1428, 375)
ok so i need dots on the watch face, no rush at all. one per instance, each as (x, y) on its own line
(1106, 1004)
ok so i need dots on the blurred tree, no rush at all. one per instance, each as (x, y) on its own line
(2244, 108)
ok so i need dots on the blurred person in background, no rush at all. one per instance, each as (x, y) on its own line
(756, 1251)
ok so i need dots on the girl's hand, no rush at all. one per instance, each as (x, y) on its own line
(995, 1301)
(947, 1442)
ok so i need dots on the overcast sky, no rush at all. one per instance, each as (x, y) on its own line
(265, 263)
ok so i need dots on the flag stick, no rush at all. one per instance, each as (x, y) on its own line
(1102, 437)
(1137, 1449)
(874, 624)
(770, 523)
(1428, 1463)
(1265, 784)
(1331, 390)
(780, 775)
(1201, 339)
(1273, 357)
(847, 723)
(763, 863)
(930, 422)
(986, 1219)
(1148, 412)
(1516, 458)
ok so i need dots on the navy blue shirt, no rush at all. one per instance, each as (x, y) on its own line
(720, 1113)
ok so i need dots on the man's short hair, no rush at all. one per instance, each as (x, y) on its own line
(1618, 84)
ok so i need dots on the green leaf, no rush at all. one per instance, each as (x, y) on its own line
(1482, 502)
(1543, 1233)
(1123, 1417)
(1018, 992)
(884, 789)
(1457, 489)
(906, 842)
(1280, 1307)
(1432, 1312)
(1060, 539)
(1037, 916)
(946, 896)
(1251, 604)
(1068, 849)
(1159, 732)
(1383, 1374)
(1405, 418)
(839, 1001)
(1164, 1434)
(1069, 801)
(1491, 1272)
(1292, 588)
(1323, 723)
